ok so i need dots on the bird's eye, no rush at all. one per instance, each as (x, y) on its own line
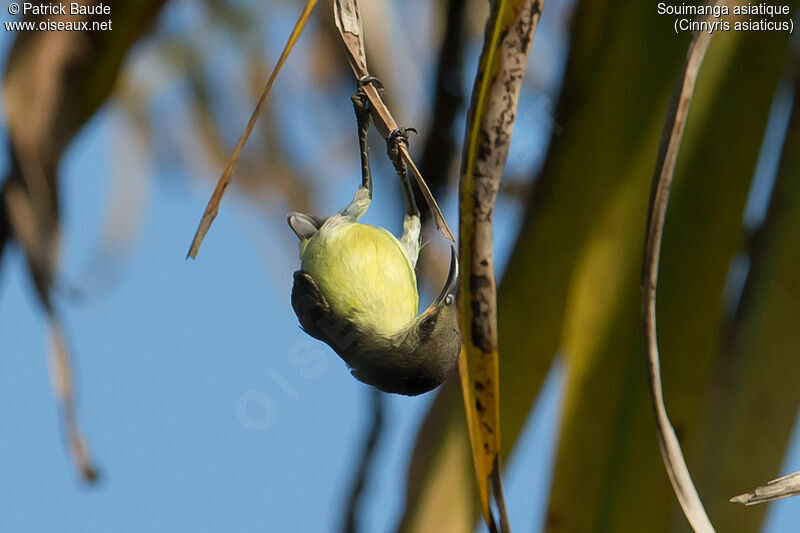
(428, 324)
(448, 300)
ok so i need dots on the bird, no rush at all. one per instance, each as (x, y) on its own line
(356, 289)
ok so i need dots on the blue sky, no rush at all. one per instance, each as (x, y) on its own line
(205, 406)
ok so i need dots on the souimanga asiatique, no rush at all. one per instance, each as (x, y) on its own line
(722, 10)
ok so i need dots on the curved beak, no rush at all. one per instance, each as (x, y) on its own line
(450, 289)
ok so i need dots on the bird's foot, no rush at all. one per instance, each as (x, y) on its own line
(363, 81)
(360, 100)
(396, 138)
(361, 106)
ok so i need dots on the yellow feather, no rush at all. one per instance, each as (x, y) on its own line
(364, 273)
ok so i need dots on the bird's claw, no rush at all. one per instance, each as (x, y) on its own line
(368, 79)
(394, 139)
(361, 105)
(360, 100)
(398, 136)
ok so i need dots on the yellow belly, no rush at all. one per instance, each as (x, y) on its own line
(364, 274)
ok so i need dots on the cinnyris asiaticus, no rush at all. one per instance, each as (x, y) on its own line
(356, 289)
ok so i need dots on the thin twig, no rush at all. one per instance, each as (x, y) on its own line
(61, 377)
(225, 179)
(348, 20)
(777, 489)
(367, 455)
(662, 180)
(24, 226)
(499, 495)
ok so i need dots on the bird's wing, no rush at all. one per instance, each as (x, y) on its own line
(303, 225)
(316, 317)
(309, 304)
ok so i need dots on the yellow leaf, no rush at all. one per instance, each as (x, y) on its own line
(490, 124)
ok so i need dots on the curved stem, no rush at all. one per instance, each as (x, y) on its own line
(662, 181)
